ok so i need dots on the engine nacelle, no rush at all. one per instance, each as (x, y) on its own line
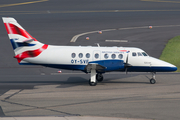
(111, 65)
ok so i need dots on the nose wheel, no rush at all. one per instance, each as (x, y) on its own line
(153, 80)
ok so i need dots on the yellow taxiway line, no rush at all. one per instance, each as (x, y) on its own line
(24, 3)
(95, 11)
(161, 1)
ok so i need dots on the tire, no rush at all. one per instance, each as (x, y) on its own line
(99, 77)
(152, 81)
(92, 83)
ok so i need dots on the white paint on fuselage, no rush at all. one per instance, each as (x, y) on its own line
(62, 55)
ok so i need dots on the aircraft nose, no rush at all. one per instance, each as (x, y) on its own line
(172, 68)
(163, 66)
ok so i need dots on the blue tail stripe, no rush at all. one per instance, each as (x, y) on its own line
(20, 44)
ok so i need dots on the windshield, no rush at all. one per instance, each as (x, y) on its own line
(145, 54)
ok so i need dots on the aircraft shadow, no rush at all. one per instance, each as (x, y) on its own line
(64, 82)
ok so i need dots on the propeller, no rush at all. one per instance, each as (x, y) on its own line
(127, 65)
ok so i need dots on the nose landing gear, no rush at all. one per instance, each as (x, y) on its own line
(153, 80)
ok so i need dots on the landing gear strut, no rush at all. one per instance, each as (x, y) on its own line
(153, 80)
(92, 80)
(95, 77)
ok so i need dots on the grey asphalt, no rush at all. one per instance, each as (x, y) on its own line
(38, 91)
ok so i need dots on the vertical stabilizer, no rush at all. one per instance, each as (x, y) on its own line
(24, 45)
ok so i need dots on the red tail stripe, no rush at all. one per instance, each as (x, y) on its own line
(32, 53)
(12, 29)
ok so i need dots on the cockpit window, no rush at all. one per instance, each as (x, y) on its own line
(139, 54)
(133, 54)
(144, 54)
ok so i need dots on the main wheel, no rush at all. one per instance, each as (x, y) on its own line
(92, 83)
(99, 77)
(152, 81)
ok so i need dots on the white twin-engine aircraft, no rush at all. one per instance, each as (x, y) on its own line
(93, 60)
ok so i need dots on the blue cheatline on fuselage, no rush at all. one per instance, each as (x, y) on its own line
(151, 69)
(111, 65)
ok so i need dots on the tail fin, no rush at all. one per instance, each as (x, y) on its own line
(23, 43)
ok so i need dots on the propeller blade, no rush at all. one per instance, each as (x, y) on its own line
(126, 70)
(127, 58)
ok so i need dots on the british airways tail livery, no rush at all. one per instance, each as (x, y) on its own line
(93, 60)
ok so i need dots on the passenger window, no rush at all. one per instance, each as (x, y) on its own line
(80, 55)
(120, 56)
(87, 55)
(73, 55)
(133, 54)
(139, 54)
(106, 56)
(113, 56)
(144, 54)
(96, 55)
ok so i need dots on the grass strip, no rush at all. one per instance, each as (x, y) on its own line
(171, 52)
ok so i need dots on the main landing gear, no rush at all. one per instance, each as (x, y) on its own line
(99, 77)
(153, 80)
(95, 78)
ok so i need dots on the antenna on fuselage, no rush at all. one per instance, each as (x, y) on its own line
(97, 44)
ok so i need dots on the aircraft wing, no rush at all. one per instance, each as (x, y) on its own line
(94, 66)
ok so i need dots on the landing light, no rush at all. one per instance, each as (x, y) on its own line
(59, 71)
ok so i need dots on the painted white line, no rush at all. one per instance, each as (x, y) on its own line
(76, 36)
(116, 40)
(67, 73)
(127, 28)
(130, 28)
(166, 26)
(108, 30)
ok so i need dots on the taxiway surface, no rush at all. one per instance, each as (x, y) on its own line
(37, 91)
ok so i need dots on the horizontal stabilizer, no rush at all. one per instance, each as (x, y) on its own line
(28, 40)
